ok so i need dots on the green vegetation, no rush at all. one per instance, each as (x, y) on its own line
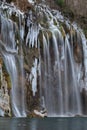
(60, 2)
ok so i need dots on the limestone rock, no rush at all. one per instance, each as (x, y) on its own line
(4, 96)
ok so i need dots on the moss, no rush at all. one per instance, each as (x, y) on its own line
(64, 27)
(81, 20)
(8, 81)
(55, 23)
(60, 2)
(85, 31)
(14, 18)
(62, 31)
(68, 13)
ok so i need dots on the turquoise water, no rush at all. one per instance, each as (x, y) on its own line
(43, 124)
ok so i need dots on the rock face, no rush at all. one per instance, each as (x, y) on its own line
(73, 9)
(4, 96)
(23, 4)
(78, 6)
(84, 100)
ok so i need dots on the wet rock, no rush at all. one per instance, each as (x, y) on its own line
(78, 50)
(24, 5)
(40, 114)
(26, 67)
(84, 100)
(66, 29)
(78, 54)
(29, 56)
(9, 1)
(62, 31)
(78, 115)
(5, 109)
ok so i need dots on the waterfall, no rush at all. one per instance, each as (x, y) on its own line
(14, 65)
(62, 60)
(54, 52)
(61, 90)
(61, 69)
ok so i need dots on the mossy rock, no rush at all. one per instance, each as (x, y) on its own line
(29, 55)
(60, 2)
(62, 31)
(14, 18)
(7, 76)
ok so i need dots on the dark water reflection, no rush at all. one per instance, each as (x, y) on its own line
(43, 124)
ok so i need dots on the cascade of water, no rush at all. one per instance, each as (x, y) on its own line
(32, 35)
(60, 74)
(71, 82)
(46, 77)
(9, 53)
(60, 67)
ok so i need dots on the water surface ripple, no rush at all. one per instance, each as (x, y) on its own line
(71, 123)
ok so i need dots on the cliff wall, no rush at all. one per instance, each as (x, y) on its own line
(78, 6)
